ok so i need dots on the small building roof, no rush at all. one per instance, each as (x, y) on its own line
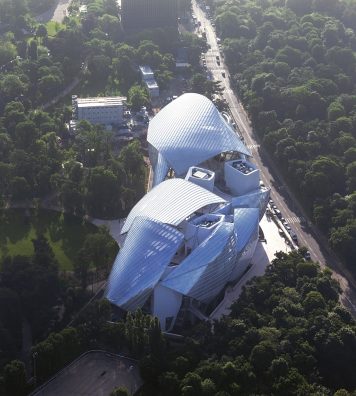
(145, 69)
(101, 101)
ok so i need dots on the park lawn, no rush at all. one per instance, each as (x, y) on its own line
(53, 28)
(66, 234)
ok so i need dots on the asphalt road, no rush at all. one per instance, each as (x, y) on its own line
(291, 210)
(56, 13)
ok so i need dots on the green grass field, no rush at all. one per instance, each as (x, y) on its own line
(66, 234)
(53, 28)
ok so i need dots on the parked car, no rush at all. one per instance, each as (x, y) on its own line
(307, 255)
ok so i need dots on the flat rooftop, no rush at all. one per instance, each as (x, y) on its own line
(151, 83)
(101, 101)
(145, 69)
(92, 374)
(199, 174)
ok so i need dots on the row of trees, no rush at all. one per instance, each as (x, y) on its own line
(293, 64)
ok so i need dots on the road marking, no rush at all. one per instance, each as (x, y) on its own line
(253, 146)
(295, 219)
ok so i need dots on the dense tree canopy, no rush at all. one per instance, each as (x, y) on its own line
(286, 335)
(293, 64)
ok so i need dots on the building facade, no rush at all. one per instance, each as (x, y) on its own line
(147, 14)
(190, 236)
(100, 110)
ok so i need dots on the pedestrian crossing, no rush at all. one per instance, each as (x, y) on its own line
(253, 146)
(295, 219)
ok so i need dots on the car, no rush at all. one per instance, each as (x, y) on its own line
(223, 74)
(295, 238)
(218, 63)
(288, 228)
(274, 207)
(217, 57)
(307, 255)
(278, 213)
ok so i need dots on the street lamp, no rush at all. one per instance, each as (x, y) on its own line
(34, 355)
(131, 381)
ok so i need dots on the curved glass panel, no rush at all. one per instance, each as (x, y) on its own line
(148, 250)
(191, 130)
(171, 202)
(204, 273)
(256, 199)
(245, 225)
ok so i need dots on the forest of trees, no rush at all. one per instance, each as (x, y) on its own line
(293, 65)
(286, 335)
(38, 157)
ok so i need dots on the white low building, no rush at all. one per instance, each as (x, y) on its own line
(100, 110)
(149, 80)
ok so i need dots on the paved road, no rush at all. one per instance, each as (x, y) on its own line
(56, 13)
(95, 373)
(308, 235)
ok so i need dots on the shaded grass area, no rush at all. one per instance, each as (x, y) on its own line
(54, 27)
(65, 234)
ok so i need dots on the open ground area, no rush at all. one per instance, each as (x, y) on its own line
(96, 373)
(66, 234)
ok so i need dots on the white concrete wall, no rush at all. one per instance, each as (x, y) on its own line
(208, 184)
(240, 183)
(101, 115)
(166, 303)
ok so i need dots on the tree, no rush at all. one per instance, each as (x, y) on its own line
(100, 249)
(120, 392)
(32, 50)
(42, 31)
(7, 52)
(26, 133)
(103, 192)
(12, 86)
(20, 189)
(15, 378)
(137, 97)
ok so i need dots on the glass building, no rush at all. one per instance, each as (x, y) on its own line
(196, 230)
